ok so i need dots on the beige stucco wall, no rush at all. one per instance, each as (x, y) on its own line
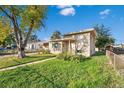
(92, 44)
(83, 43)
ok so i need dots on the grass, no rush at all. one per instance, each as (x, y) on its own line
(13, 61)
(8, 51)
(94, 72)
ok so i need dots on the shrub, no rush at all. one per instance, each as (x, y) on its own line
(45, 51)
(64, 56)
(77, 58)
(71, 58)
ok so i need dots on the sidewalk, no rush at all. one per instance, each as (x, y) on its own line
(22, 65)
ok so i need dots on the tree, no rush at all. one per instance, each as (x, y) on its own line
(56, 35)
(33, 37)
(9, 40)
(24, 19)
(104, 37)
(4, 29)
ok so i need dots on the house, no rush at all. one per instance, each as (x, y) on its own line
(82, 42)
(34, 45)
(119, 45)
(117, 48)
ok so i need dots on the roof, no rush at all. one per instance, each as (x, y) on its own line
(82, 32)
(64, 39)
(46, 42)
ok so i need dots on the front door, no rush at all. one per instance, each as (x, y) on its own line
(65, 47)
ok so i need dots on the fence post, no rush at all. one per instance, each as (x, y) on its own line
(114, 62)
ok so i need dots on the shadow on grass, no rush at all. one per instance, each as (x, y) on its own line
(85, 59)
(89, 58)
(39, 56)
(33, 56)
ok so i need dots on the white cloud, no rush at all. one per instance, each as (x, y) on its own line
(64, 6)
(105, 12)
(67, 11)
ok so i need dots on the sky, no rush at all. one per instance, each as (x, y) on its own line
(68, 18)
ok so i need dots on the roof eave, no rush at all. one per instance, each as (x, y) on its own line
(83, 31)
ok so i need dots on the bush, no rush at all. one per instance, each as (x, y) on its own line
(72, 58)
(77, 58)
(45, 51)
(63, 56)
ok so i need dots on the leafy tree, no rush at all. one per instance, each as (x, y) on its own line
(4, 29)
(56, 35)
(33, 37)
(24, 19)
(104, 37)
(9, 40)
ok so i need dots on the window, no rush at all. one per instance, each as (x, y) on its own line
(78, 50)
(56, 46)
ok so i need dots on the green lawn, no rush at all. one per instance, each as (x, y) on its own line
(12, 61)
(94, 72)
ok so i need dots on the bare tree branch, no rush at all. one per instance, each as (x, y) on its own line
(5, 12)
(29, 32)
(16, 27)
(15, 30)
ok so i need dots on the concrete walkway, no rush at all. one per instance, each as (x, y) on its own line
(26, 64)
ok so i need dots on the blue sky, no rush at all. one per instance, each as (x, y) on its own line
(75, 18)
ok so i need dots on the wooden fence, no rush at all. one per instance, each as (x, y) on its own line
(117, 61)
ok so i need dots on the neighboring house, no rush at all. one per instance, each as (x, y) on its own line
(33, 46)
(118, 48)
(119, 45)
(82, 42)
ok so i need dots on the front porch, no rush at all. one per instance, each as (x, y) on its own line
(62, 45)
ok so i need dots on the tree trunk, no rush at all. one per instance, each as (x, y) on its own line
(99, 49)
(21, 52)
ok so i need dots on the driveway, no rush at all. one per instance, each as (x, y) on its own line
(122, 56)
